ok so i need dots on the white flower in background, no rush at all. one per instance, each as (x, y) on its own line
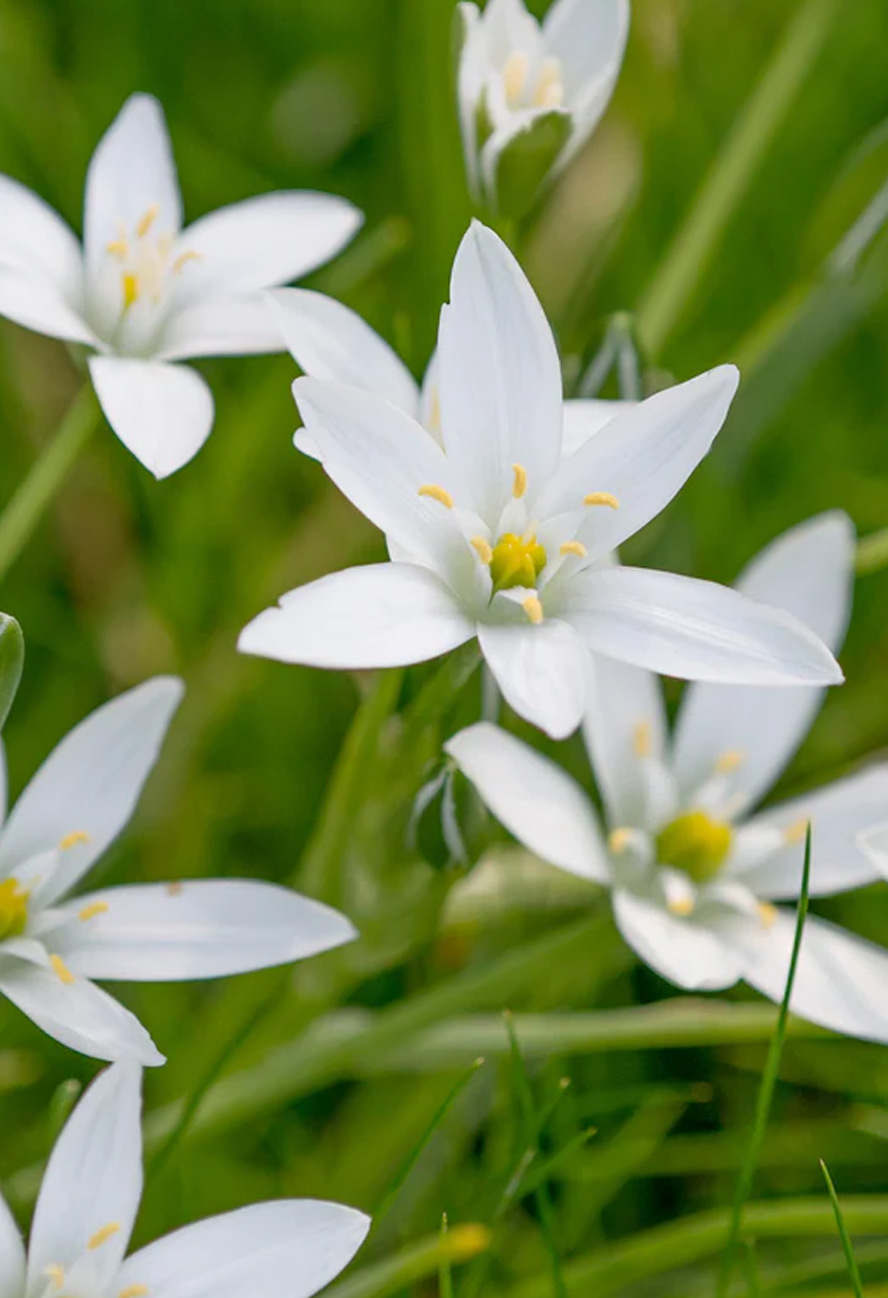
(87, 1208)
(52, 944)
(496, 535)
(544, 85)
(694, 871)
(144, 293)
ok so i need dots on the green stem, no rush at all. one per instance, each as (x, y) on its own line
(872, 553)
(413, 1263)
(439, 692)
(847, 1247)
(730, 177)
(48, 472)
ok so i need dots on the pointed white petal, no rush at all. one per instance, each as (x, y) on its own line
(471, 79)
(501, 399)
(89, 785)
(242, 326)
(583, 419)
(589, 40)
(873, 842)
(679, 948)
(12, 1254)
(380, 615)
(624, 726)
(41, 268)
(162, 413)
(93, 1180)
(37, 304)
(695, 630)
(293, 1247)
(203, 928)
(78, 1014)
(131, 173)
(643, 458)
(541, 671)
(536, 800)
(808, 571)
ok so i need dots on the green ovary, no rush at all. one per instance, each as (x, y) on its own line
(516, 561)
(696, 844)
(13, 909)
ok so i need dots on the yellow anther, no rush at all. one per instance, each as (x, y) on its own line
(93, 909)
(767, 914)
(175, 888)
(183, 259)
(434, 416)
(519, 485)
(549, 91)
(484, 550)
(619, 839)
(13, 908)
(533, 608)
(118, 248)
(102, 1236)
(130, 284)
(435, 492)
(133, 1291)
(641, 739)
(515, 71)
(63, 973)
(516, 561)
(681, 906)
(795, 833)
(147, 221)
(573, 547)
(465, 1242)
(73, 839)
(730, 761)
(601, 498)
(696, 844)
(55, 1273)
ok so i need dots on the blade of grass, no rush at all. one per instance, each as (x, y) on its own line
(750, 1266)
(414, 1263)
(445, 1270)
(853, 1271)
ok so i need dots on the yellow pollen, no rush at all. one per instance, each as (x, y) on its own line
(796, 832)
(484, 551)
(55, 1273)
(133, 1291)
(118, 248)
(730, 761)
(183, 259)
(93, 909)
(72, 839)
(619, 839)
(435, 492)
(533, 608)
(681, 906)
(13, 908)
(516, 561)
(519, 486)
(601, 498)
(102, 1236)
(130, 285)
(573, 547)
(767, 914)
(549, 91)
(514, 75)
(147, 221)
(64, 975)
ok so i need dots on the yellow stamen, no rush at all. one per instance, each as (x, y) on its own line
(133, 1291)
(533, 608)
(13, 908)
(183, 259)
(72, 839)
(102, 1236)
(434, 416)
(485, 553)
(641, 739)
(519, 486)
(619, 839)
(730, 761)
(681, 906)
(63, 973)
(55, 1273)
(93, 909)
(514, 75)
(695, 843)
(174, 888)
(435, 492)
(573, 547)
(118, 248)
(601, 498)
(147, 221)
(130, 285)
(516, 561)
(796, 832)
(767, 914)
(549, 91)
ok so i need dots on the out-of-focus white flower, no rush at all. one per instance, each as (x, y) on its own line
(694, 873)
(87, 1208)
(495, 534)
(52, 945)
(143, 293)
(531, 94)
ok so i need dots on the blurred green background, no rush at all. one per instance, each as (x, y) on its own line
(127, 577)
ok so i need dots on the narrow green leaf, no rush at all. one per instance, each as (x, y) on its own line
(853, 1271)
(12, 658)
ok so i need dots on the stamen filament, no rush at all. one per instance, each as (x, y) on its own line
(434, 492)
(601, 498)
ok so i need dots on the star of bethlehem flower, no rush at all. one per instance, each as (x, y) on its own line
(53, 944)
(87, 1208)
(694, 871)
(531, 94)
(143, 293)
(495, 534)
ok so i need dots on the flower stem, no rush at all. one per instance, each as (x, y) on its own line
(24, 511)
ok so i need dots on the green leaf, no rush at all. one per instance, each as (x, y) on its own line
(527, 160)
(12, 657)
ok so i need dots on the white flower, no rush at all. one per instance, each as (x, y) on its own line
(497, 536)
(547, 85)
(87, 1208)
(694, 874)
(143, 292)
(52, 944)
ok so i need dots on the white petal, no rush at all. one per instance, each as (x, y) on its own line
(695, 630)
(873, 842)
(471, 79)
(624, 725)
(93, 1180)
(808, 571)
(263, 242)
(90, 783)
(536, 800)
(131, 172)
(79, 1014)
(589, 40)
(380, 615)
(12, 1254)
(37, 304)
(643, 457)
(837, 813)
(41, 268)
(162, 413)
(330, 341)
(291, 1248)
(501, 399)
(203, 928)
(509, 27)
(583, 419)
(679, 948)
(541, 671)
(242, 326)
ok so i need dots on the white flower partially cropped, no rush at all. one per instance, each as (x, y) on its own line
(517, 77)
(143, 293)
(694, 871)
(87, 1208)
(495, 534)
(52, 944)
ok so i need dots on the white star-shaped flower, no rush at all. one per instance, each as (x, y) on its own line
(495, 534)
(52, 944)
(143, 293)
(694, 872)
(87, 1208)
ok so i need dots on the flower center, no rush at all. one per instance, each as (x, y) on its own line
(546, 90)
(695, 843)
(516, 561)
(13, 908)
(145, 257)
